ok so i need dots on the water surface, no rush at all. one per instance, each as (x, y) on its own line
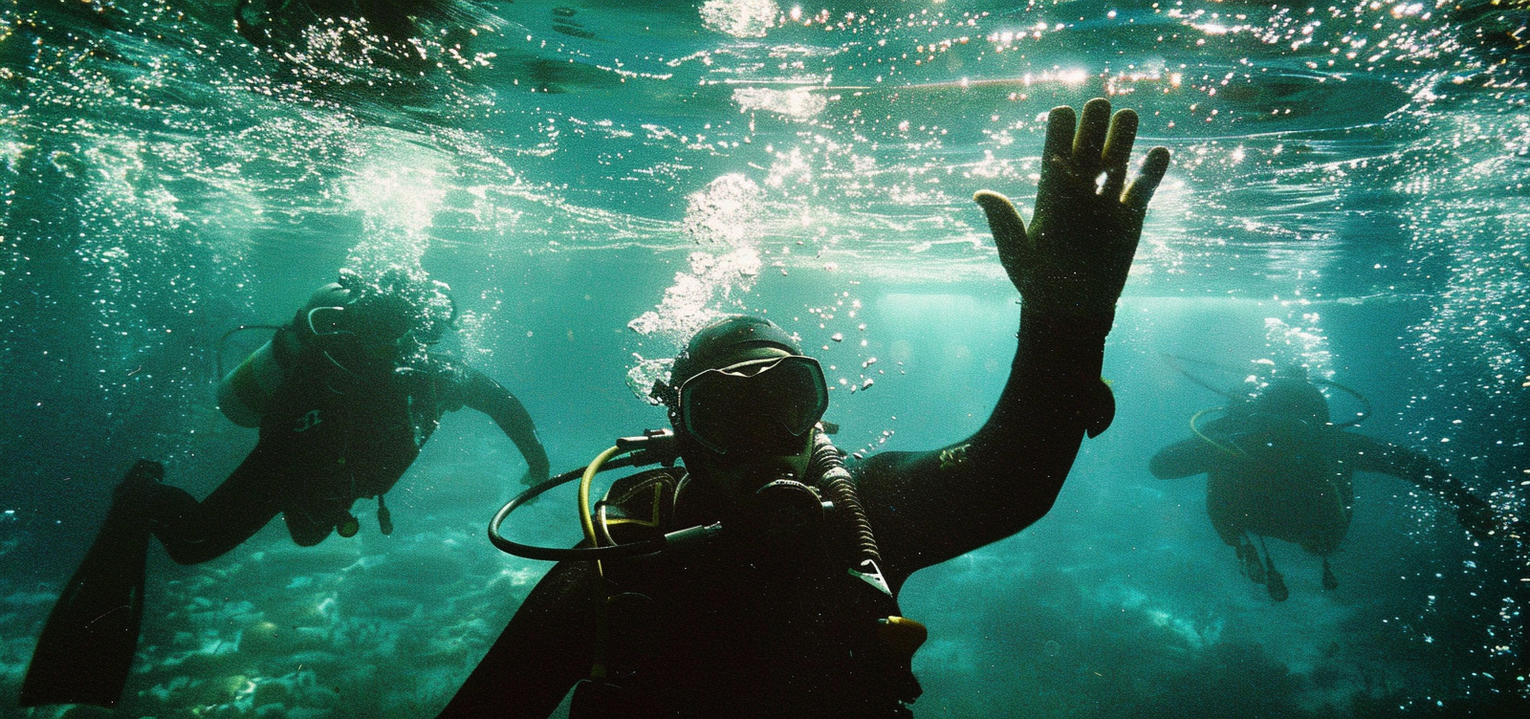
(595, 180)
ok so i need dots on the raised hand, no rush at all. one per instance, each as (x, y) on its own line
(1074, 260)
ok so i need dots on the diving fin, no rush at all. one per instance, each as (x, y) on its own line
(1274, 582)
(87, 646)
(1330, 582)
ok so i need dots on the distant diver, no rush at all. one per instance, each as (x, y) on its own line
(760, 577)
(1277, 467)
(345, 396)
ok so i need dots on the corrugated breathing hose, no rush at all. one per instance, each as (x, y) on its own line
(828, 465)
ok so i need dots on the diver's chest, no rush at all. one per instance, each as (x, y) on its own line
(741, 609)
(351, 430)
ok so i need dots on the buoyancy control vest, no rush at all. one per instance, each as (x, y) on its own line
(726, 629)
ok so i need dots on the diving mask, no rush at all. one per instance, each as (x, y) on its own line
(760, 406)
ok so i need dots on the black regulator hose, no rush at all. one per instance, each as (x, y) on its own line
(557, 554)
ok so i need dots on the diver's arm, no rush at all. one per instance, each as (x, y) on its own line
(927, 507)
(479, 391)
(1184, 458)
(541, 654)
(1370, 455)
(1070, 268)
(1214, 446)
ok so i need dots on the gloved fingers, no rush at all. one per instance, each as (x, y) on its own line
(1089, 143)
(1005, 223)
(1141, 190)
(1118, 151)
(1059, 143)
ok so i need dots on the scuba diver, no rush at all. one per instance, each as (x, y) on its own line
(1277, 467)
(345, 396)
(760, 575)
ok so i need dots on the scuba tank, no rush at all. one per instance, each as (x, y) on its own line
(245, 393)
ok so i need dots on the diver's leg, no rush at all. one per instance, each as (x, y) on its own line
(1227, 515)
(1325, 542)
(195, 532)
(1274, 582)
(1325, 545)
(1332, 524)
(87, 646)
(1229, 524)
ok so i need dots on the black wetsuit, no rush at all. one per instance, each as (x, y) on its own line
(743, 634)
(327, 441)
(1286, 479)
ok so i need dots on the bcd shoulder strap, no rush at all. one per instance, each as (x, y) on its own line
(637, 507)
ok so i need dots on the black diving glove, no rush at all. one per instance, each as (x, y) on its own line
(1073, 260)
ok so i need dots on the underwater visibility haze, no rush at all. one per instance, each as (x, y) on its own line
(596, 180)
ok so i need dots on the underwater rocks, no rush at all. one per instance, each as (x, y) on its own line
(350, 628)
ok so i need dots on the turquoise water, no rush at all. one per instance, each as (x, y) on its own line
(594, 180)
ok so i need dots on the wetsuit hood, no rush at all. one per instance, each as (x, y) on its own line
(359, 324)
(1293, 397)
(729, 341)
